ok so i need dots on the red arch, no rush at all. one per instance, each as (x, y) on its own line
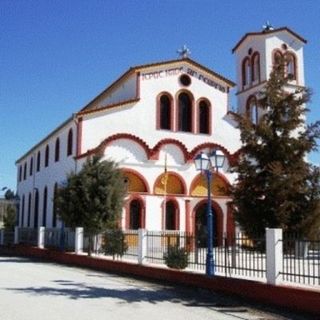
(209, 145)
(142, 214)
(220, 175)
(154, 154)
(255, 74)
(139, 175)
(218, 219)
(184, 185)
(102, 146)
(197, 120)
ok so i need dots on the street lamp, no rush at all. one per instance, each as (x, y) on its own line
(206, 164)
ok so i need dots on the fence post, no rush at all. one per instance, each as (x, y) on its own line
(142, 249)
(16, 235)
(274, 255)
(78, 246)
(1, 237)
(41, 236)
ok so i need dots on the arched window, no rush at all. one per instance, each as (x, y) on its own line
(31, 166)
(70, 143)
(135, 215)
(185, 112)
(252, 109)
(277, 58)
(255, 67)
(29, 209)
(57, 151)
(38, 161)
(36, 209)
(20, 173)
(291, 66)
(171, 216)
(22, 210)
(25, 171)
(44, 208)
(165, 112)
(246, 72)
(54, 209)
(46, 159)
(204, 117)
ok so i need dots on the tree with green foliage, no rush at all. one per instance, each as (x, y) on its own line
(9, 220)
(276, 187)
(92, 198)
(9, 195)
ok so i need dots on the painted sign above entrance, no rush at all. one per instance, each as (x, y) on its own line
(159, 74)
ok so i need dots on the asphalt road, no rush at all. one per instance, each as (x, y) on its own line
(31, 290)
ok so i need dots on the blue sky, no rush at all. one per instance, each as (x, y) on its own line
(56, 56)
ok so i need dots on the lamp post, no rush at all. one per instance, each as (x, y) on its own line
(206, 164)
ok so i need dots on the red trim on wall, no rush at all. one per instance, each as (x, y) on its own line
(209, 145)
(79, 136)
(154, 155)
(102, 146)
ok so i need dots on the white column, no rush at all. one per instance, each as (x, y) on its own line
(274, 255)
(41, 237)
(1, 237)
(79, 240)
(142, 249)
(16, 235)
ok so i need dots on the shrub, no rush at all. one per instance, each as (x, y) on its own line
(176, 258)
(114, 243)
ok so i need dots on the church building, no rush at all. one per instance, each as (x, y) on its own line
(153, 121)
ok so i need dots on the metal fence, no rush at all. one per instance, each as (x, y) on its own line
(239, 256)
(301, 260)
(59, 238)
(28, 236)
(8, 237)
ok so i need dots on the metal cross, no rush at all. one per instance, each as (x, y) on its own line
(184, 52)
(267, 27)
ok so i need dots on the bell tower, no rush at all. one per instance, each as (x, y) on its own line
(256, 54)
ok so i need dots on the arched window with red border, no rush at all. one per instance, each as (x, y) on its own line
(135, 213)
(246, 71)
(291, 68)
(277, 58)
(204, 117)
(255, 67)
(165, 111)
(252, 109)
(185, 112)
(170, 215)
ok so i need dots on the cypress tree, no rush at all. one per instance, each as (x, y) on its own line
(276, 187)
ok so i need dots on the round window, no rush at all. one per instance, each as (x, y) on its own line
(185, 80)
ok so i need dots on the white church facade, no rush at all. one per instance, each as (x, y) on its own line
(155, 116)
